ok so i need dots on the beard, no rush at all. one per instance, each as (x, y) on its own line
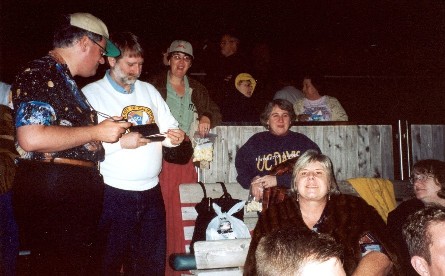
(124, 78)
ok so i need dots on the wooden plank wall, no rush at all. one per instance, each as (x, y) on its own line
(355, 150)
(427, 142)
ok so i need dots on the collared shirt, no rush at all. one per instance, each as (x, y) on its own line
(181, 107)
(116, 86)
(45, 93)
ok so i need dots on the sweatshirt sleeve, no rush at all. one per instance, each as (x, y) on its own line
(338, 113)
(298, 107)
(284, 180)
(165, 119)
(244, 176)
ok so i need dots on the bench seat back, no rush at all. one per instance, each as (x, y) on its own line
(191, 194)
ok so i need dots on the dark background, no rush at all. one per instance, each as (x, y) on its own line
(384, 60)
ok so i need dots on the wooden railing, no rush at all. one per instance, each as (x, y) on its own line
(427, 142)
(356, 150)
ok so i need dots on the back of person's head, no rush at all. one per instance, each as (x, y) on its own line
(311, 156)
(289, 251)
(289, 76)
(71, 28)
(417, 231)
(128, 44)
(282, 104)
(434, 168)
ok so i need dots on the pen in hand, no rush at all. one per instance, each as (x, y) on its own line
(110, 117)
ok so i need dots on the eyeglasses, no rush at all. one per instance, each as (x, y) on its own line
(422, 178)
(186, 58)
(103, 52)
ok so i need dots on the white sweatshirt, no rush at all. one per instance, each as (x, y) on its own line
(132, 169)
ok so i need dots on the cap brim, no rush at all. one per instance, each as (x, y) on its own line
(112, 50)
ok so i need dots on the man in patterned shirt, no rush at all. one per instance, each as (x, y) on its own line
(58, 189)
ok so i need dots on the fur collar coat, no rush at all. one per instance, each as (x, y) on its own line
(347, 219)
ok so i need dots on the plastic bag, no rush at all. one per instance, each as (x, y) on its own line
(254, 204)
(206, 212)
(203, 150)
(224, 226)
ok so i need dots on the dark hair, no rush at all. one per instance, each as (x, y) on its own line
(65, 35)
(233, 33)
(128, 43)
(317, 82)
(283, 104)
(309, 157)
(286, 251)
(435, 168)
(416, 230)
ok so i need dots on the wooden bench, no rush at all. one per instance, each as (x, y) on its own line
(228, 256)
(214, 257)
(191, 194)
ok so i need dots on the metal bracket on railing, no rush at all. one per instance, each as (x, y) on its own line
(403, 143)
(408, 149)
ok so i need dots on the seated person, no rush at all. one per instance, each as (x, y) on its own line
(245, 84)
(264, 150)
(242, 105)
(424, 233)
(220, 79)
(287, 83)
(316, 204)
(316, 107)
(301, 252)
(428, 179)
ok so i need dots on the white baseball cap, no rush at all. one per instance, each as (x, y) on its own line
(93, 24)
(181, 46)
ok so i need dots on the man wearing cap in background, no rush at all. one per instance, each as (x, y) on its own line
(133, 217)
(58, 191)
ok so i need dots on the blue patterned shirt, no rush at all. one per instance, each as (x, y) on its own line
(45, 93)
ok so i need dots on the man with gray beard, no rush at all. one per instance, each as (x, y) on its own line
(132, 224)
